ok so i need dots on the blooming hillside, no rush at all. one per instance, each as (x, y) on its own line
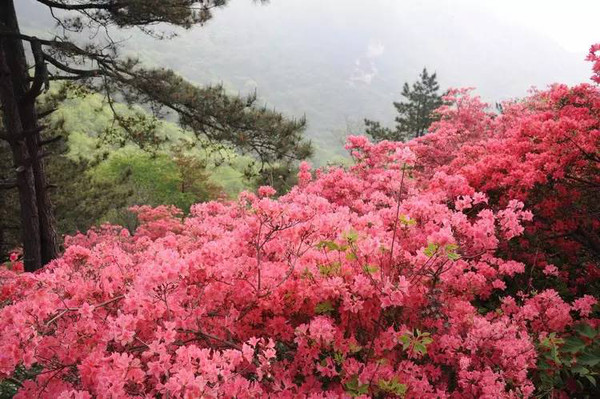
(464, 264)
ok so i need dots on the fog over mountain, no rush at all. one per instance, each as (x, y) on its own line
(338, 61)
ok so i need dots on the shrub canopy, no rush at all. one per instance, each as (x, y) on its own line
(463, 264)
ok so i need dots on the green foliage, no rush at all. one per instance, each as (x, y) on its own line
(330, 245)
(281, 175)
(10, 386)
(371, 269)
(416, 342)
(575, 358)
(351, 236)
(80, 201)
(449, 250)
(99, 170)
(338, 358)
(351, 256)
(99, 176)
(324, 307)
(156, 179)
(211, 113)
(332, 269)
(355, 388)
(415, 115)
(406, 221)
(392, 387)
(431, 249)
(127, 13)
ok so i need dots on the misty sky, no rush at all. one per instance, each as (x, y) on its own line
(500, 47)
(377, 28)
(572, 24)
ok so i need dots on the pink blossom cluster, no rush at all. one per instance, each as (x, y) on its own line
(405, 275)
(594, 57)
(540, 152)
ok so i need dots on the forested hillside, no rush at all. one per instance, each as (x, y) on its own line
(97, 174)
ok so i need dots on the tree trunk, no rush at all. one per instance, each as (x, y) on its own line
(30, 223)
(17, 65)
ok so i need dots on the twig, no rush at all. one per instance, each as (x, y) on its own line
(398, 201)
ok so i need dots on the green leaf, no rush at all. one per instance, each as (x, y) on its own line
(591, 379)
(573, 345)
(543, 365)
(419, 347)
(580, 370)
(431, 249)
(450, 250)
(354, 388)
(324, 307)
(406, 221)
(352, 384)
(351, 236)
(405, 340)
(371, 269)
(330, 270)
(330, 245)
(392, 386)
(351, 256)
(588, 359)
(451, 247)
(338, 358)
(554, 355)
(586, 330)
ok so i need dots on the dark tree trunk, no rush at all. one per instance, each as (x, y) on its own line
(16, 63)
(30, 223)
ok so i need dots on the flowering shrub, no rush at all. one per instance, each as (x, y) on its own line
(460, 265)
(594, 57)
(542, 151)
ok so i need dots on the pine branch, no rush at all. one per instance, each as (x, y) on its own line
(81, 7)
(80, 73)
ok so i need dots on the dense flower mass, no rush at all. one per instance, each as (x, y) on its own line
(464, 264)
(594, 57)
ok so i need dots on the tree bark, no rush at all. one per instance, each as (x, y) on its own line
(30, 223)
(16, 62)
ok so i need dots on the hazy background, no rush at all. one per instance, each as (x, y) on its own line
(339, 61)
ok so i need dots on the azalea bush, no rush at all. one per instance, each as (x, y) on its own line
(464, 264)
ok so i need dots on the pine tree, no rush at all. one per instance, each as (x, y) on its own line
(415, 115)
(69, 55)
